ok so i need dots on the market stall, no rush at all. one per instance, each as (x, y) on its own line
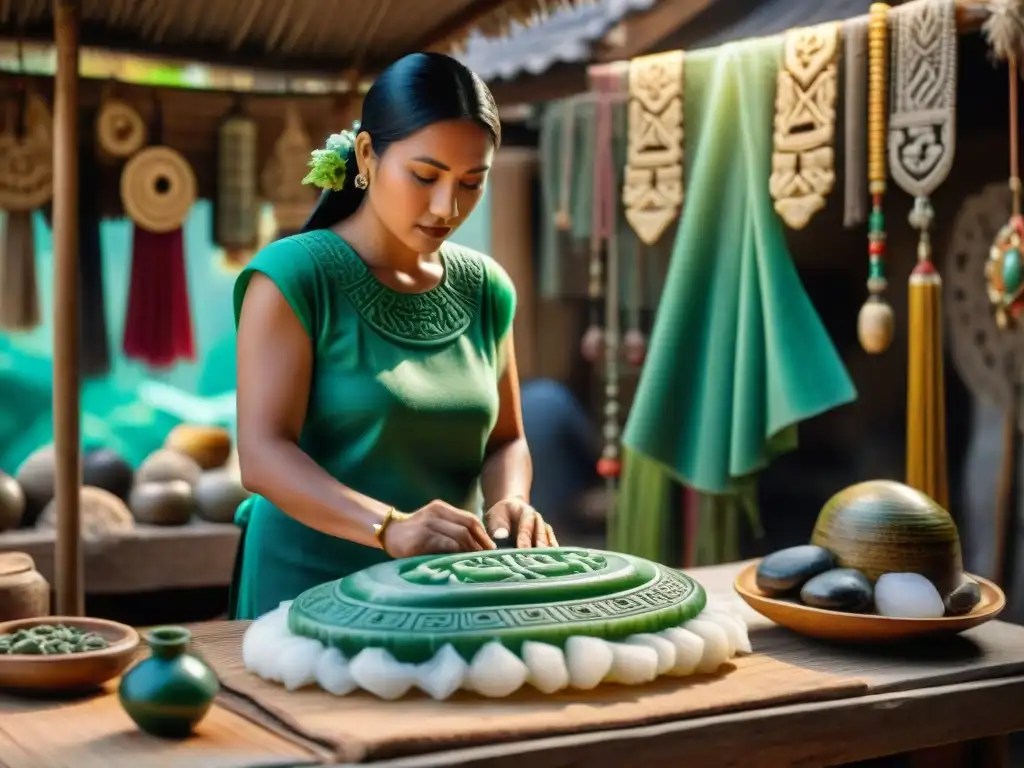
(568, 656)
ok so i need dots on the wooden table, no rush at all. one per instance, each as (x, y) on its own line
(945, 709)
(149, 558)
(969, 691)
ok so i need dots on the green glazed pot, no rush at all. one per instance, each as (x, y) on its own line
(171, 691)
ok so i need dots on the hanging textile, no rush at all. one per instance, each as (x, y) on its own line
(19, 289)
(738, 355)
(566, 187)
(922, 142)
(855, 103)
(94, 344)
(642, 510)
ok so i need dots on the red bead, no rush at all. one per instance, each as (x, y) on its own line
(609, 467)
(1018, 224)
(876, 247)
(924, 268)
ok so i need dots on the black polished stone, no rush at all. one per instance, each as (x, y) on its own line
(963, 599)
(787, 570)
(841, 589)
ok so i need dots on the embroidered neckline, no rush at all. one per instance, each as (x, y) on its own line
(429, 318)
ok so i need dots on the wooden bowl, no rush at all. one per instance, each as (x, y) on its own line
(882, 526)
(73, 671)
(859, 627)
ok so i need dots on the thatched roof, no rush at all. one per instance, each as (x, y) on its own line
(306, 35)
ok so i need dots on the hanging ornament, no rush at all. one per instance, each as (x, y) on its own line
(26, 155)
(1004, 271)
(922, 143)
(158, 189)
(237, 207)
(875, 321)
(281, 179)
(120, 129)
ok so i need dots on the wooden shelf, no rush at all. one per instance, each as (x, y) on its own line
(148, 559)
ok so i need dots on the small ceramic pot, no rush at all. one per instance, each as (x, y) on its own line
(169, 693)
(24, 592)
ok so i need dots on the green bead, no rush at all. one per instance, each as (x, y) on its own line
(1011, 270)
(876, 221)
(414, 607)
(876, 268)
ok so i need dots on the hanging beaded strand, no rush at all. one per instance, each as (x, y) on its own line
(606, 82)
(875, 322)
(594, 338)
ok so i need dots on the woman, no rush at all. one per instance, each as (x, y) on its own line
(377, 383)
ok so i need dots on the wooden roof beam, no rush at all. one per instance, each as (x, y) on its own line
(640, 33)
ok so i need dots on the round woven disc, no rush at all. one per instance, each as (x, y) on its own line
(414, 607)
(120, 130)
(158, 188)
(26, 174)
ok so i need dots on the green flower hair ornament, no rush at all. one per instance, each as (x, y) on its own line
(328, 166)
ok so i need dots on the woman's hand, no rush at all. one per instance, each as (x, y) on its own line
(514, 514)
(437, 528)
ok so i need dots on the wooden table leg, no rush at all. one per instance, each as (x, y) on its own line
(993, 752)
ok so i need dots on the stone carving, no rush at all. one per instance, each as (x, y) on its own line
(803, 163)
(414, 607)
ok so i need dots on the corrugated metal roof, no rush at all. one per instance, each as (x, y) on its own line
(565, 36)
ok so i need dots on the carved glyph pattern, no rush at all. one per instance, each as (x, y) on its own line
(511, 566)
(803, 161)
(653, 188)
(331, 609)
(922, 123)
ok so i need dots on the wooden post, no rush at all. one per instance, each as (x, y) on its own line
(69, 572)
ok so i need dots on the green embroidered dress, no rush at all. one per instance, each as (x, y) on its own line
(402, 400)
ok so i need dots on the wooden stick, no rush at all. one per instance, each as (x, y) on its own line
(68, 557)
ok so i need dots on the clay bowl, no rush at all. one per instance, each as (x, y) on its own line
(859, 627)
(73, 671)
(882, 526)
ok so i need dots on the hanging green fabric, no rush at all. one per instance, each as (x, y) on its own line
(738, 355)
(641, 516)
(566, 147)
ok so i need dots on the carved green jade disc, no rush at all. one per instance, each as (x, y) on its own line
(413, 607)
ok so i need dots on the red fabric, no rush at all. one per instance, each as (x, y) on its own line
(158, 324)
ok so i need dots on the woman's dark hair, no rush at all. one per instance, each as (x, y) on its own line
(415, 92)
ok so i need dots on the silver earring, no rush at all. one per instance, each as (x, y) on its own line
(361, 182)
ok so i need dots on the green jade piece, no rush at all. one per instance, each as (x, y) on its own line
(416, 606)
